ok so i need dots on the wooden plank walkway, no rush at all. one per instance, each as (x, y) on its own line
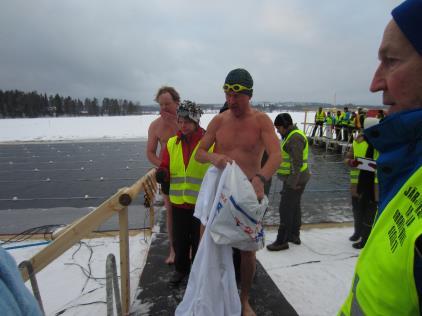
(156, 297)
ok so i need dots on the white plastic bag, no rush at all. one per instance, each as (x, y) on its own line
(238, 218)
(211, 289)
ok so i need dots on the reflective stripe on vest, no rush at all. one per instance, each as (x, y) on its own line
(185, 182)
(384, 281)
(285, 166)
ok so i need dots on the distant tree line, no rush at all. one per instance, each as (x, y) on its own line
(15, 104)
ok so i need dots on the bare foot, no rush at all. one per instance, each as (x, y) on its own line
(247, 309)
(170, 258)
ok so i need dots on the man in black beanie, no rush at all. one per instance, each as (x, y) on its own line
(294, 173)
(242, 134)
(388, 273)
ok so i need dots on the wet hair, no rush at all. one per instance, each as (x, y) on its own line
(174, 94)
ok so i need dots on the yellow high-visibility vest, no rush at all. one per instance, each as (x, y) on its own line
(184, 182)
(320, 116)
(285, 166)
(359, 151)
(384, 282)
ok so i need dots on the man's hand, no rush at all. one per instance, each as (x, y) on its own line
(220, 160)
(167, 116)
(258, 186)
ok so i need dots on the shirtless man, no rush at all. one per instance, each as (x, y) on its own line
(160, 130)
(242, 134)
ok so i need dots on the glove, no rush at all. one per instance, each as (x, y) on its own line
(353, 163)
(162, 176)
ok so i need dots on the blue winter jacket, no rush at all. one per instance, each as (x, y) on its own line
(15, 298)
(398, 138)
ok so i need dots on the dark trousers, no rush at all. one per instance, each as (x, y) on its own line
(318, 124)
(185, 236)
(367, 210)
(345, 133)
(338, 132)
(290, 214)
(357, 218)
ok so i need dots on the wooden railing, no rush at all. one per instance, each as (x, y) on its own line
(118, 203)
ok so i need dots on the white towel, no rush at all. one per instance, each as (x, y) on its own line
(211, 289)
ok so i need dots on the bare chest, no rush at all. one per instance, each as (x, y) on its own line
(238, 137)
(165, 131)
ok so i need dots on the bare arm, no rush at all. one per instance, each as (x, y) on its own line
(272, 147)
(152, 145)
(202, 154)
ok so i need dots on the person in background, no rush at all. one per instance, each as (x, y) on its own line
(160, 130)
(354, 125)
(338, 124)
(184, 174)
(388, 273)
(294, 173)
(15, 298)
(329, 125)
(319, 121)
(380, 114)
(361, 117)
(364, 187)
(241, 134)
(344, 122)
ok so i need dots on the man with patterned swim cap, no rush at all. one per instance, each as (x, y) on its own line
(388, 273)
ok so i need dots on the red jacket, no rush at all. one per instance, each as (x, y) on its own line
(189, 143)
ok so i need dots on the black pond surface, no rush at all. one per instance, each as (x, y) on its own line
(56, 182)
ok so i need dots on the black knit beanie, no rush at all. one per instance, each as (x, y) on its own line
(283, 120)
(240, 76)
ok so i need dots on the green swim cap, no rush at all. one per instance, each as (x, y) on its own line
(240, 76)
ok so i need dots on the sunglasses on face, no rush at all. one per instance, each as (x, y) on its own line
(234, 87)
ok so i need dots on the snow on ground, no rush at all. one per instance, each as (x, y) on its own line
(64, 286)
(101, 127)
(315, 277)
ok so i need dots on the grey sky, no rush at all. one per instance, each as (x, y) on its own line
(302, 50)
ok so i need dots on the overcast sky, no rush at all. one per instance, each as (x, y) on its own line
(301, 50)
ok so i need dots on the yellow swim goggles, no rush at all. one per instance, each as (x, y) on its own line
(235, 87)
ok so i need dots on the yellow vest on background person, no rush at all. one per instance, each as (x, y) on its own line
(359, 151)
(384, 282)
(185, 182)
(285, 166)
(320, 116)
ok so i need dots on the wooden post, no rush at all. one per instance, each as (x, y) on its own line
(124, 260)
